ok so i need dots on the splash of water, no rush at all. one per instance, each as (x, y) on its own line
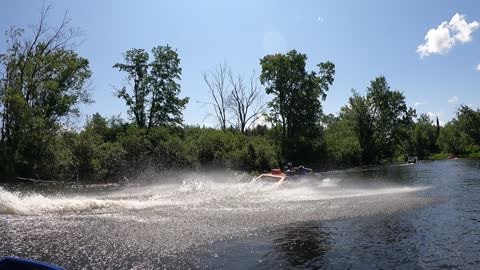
(193, 191)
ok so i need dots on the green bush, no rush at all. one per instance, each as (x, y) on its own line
(111, 160)
(438, 156)
(172, 152)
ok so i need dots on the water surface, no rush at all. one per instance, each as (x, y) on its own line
(418, 216)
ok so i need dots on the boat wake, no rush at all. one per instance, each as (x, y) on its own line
(198, 191)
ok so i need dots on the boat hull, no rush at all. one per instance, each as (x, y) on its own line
(11, 263)
(269, 177)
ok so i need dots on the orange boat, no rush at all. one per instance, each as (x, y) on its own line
(278, 176)
(275, 176)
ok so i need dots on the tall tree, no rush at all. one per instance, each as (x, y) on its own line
(136, 65)
(452, 140)
(165, 105)
(43, 81)
(391, 115)
(245, 101)
(358, 113)
(217, 83)
(296, 104)
(154, 99)
(468, 120)
(381, 119)
(424, 136)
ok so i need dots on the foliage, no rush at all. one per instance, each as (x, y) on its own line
(92, 154)
(438, 156)
(461, 135)
(468, 120)
(296, 105)
(342, 143)
(381, 120)
(451, 139)
(154, 100)
(44, 80)
(424, 137)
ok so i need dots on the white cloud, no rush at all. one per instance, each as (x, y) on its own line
(441, 39)
(437, 41)
(463, 30)
(478, 67)
(453, 99)
(419, 103)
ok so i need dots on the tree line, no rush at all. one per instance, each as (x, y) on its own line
(44, 80)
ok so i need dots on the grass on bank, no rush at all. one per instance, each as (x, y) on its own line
(440, 156)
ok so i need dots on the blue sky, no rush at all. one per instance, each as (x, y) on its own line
(363, 38)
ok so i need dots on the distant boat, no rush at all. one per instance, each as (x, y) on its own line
(12, 263)
(412, 160)
(452, 157)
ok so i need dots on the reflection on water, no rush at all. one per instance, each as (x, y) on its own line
(365, 242)
(444, 235)
(404, 217)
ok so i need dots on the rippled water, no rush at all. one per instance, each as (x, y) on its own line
(419, 216)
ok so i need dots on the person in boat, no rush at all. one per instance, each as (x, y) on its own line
(289, 169)
(300, 170)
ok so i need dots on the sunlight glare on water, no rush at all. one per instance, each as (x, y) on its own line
(194, 190)
(173, 221)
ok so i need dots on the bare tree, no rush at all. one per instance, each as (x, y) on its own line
(245, 101)
(216, 81)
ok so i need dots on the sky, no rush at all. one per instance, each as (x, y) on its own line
(429, 50)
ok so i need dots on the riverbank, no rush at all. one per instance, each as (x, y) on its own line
(441, 156)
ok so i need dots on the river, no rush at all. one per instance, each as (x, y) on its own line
(421, 216)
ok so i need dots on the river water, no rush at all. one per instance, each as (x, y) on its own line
(422, 216)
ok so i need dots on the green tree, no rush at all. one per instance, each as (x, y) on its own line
(296, 104)
(452, 140)
(424, 136)
(154, 100)
(343, 147)
(98, 125)
(136, 65)
(381, 120)
(358, 115)
(468, 121)
(43, 81)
